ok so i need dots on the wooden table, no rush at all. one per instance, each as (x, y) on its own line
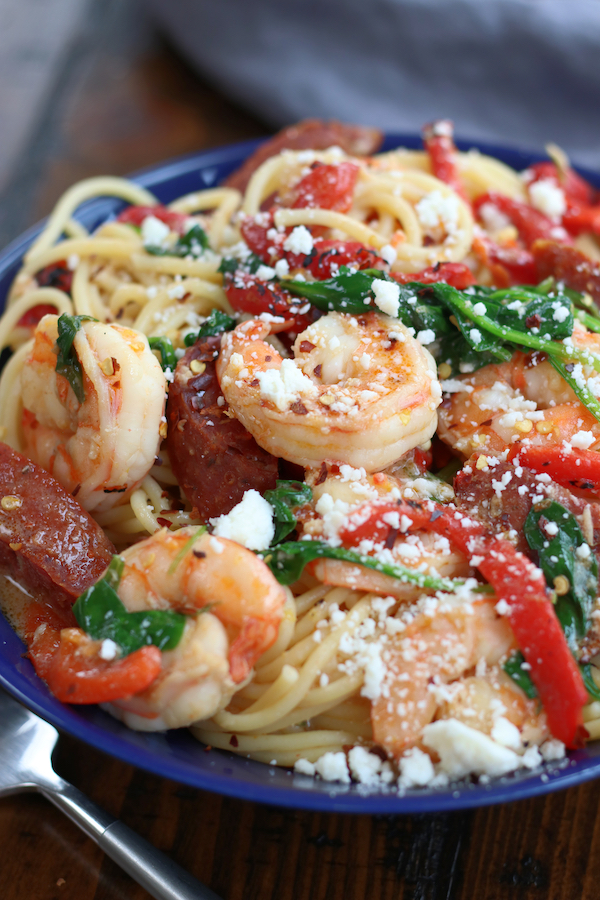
(122, 101)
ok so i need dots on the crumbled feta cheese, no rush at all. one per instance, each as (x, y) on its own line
(388, 254)
(365, 766)
(548, 197)
(154, 232)
(108, 649)
(464, 750)
(285, 385)
(437, 211)
(583, 551)
(507, 734)
(265, 273)
(427, 336)
(480, 309)
(304, 767)
(333, 767)
(250, 523)
(282, 268)
(299, 241)
(416, 769)
(553, 749)
(583, 440)
(387, 296)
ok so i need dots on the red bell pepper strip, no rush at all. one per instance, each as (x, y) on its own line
(456, 274)
(516, 581)
(438, 139)
(509, 265)
(572, 468)
(326, 187)
(247, 293)
(135, 215)
(577, 191)
(70, 664)
(531, 224)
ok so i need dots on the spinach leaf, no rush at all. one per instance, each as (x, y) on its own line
(558, 557)
(230, 264)
(286, 496)
(287, 562)
(216, 323)
(589, 681)
(168, 360)
(193, 243)
(514, 667)
(101, 613)
(67, 363)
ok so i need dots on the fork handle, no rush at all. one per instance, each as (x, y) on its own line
(159, 875)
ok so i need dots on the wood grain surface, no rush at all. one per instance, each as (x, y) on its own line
(122, 100)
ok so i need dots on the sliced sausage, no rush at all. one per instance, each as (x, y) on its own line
(501, 497)
(48, 542)
(310, 134)
(213, 457)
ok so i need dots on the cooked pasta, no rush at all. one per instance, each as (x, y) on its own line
(397, 633)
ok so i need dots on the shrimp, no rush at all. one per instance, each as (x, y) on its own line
(437, 649)
(99, 449)
(346, 489)
(241, 605)
(522, 399)
(360, 390)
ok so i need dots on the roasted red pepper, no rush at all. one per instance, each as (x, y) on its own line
(247, 293)
(509, 265)
(438, 139)
(516, 581)
(531, 224)
(326, 187)
(456, 274)
(569, 265)
(135, 215)
(70, 664)
(572, 468)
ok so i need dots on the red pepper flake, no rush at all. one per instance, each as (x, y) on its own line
(164, 523)
(299, 408)
(306, 346)
(234, 741)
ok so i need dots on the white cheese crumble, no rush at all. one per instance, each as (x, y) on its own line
(282, 268)
(416, 769)
(299, 241)
(265, 273)
(464, 750)
(548, 197)
(304, 767)
(250, 523)
(155, 232)
(583, 440)
(436, 211)
(108, 649)
(387, 296)
(425, 337)
(285, 385)
(333, 767)
(388, 254)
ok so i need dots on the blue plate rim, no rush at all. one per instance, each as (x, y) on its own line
(263, 783)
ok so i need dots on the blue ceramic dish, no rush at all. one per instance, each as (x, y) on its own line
(176, 754)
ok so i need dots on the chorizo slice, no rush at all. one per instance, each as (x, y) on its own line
(213, 457)
(501, 497)
(310, 134)
(48, 543)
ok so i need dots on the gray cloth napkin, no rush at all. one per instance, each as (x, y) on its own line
(519, 72)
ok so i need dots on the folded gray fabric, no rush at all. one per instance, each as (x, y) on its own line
(521, 72)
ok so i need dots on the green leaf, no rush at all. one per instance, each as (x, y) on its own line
(67, 363)
(102, 615)
(286, 496)
(514, 667)
(557, 556)
(589, 681)
(168, 360)
(216, 323)
(230, 264)
(193, 243)
(287, 562)
(186, 548)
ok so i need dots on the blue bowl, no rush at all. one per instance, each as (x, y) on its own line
(176, 754)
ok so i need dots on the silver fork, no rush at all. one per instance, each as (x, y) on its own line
(26, 745)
